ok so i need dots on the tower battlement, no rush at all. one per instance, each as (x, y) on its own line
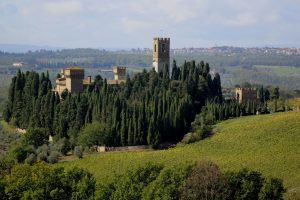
(245, 89)
(162, 39)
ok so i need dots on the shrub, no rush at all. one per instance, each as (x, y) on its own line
(31, 159)
(42, 149)
(190, 138)
(2, 190)
(272, 189)
(42, 156)
(63, 146)
(36, 136)
(53, 157)
(19, 151)
(244, 184)
(78, 151)
(93, 134)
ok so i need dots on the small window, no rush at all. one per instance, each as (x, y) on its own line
(163, 47)
(155, 48)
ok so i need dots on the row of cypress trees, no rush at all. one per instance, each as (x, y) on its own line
(149, 108)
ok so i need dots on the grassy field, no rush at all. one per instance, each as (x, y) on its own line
(267, 143)
(280, 70)
(294, 102)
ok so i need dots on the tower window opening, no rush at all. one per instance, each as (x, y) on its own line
(163, 47)
(155, 48)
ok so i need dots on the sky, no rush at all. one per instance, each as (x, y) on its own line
(133, 23)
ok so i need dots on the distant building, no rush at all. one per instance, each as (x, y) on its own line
(228, 93)
(18, 64)
(119, 75)
(161, 53)
(72, 79)
(243, 95)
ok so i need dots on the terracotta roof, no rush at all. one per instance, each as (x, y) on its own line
(73, 68)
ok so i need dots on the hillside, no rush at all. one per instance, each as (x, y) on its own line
(267, 143)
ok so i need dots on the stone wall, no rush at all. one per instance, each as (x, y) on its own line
(126, 148)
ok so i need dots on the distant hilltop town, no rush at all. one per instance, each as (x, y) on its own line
(228, 50)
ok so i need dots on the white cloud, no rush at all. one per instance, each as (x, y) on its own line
(131, 26)
(245, 19)
(272, 17)
(180, 10)
(63, 7)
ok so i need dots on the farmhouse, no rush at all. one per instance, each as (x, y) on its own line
(243, 95)
(72, 79)
(119, 75)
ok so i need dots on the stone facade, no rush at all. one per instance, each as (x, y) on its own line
(119, 73)
(161, 53)
(72, 79)
(243, 95)
(119, 76)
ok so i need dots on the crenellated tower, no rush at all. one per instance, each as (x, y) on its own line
(243, 95)
(161, 53)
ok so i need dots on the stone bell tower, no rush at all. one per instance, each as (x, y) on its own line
(161, 53)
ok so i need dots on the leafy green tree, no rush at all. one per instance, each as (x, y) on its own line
(80, 184)
(36, 136)
(272, 189)
(41, 181)
(93, 134)
(132, 183)
(205, 182)
(167, 185)
(245, 184)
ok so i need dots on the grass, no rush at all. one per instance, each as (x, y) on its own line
(6, 127)
(267, 143)
(280, 70)
(295, 102)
